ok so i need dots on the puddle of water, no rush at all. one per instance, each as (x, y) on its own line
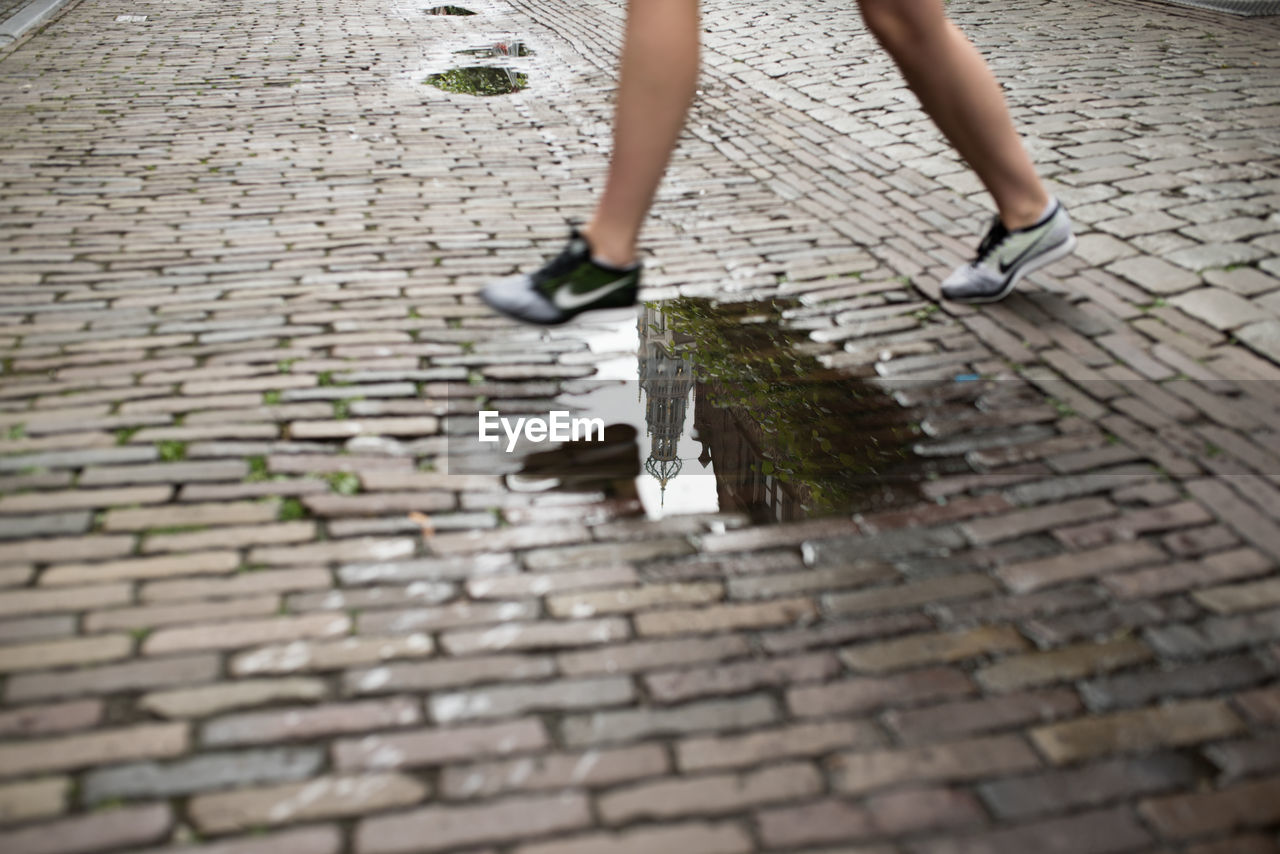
(515, 49)
(449, 10)
(480, 80)
(731, 412)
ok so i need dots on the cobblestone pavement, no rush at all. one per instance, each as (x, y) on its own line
(241, 613)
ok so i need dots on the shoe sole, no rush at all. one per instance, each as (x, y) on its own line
(1062, 250)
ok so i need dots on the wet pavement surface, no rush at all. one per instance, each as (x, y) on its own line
(855, 572)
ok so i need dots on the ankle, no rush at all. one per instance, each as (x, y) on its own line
(1027, 213)
(612, 253)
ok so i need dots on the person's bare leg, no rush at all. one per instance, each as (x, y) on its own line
(658, 79)
(958, 91)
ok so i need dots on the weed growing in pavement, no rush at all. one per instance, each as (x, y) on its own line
(343, 482)
(124, 434)
(171, 451)
(292, 510)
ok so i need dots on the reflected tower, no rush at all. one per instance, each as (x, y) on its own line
(666, 378)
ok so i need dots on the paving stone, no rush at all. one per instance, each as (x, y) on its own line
(29, 601)
(195, 563)
(44, 655)
(37, 502)
(1087, 786)
(1066, 663)
(1262, 706)
(718, 618)
(586, 557)
(701, 753)
(864, 694)
(652, 655)
(594, 768)
(243, 633)
(720, 715)
(96, 748)
(48, 524)
(1154, 275)
(127, 826)
(184, 472)
(910, 595)
(923, 809)
(316, 656)
(133, 675)
(1218, 307)
(512, 700)
(320, 797)
(1233, 598)
(1249, 804)
(221, 697)
(1263, 337)
(732, 678)
(932, 648)
(519, 636)
(231, 537)
(857, 773)
(42, 797)
(1107, 831)
(296, 723)
(435, 675)
(973, 717)
(1244, 758)
(439, 745)
(550, 583)
(688, 838)
(42, 720)
(1171, 725)
(829, 820)
(182, 515)
(440, 828)
(149, 617)
(1215, 568)
(709, 794)
(244, 584)
(203, 773)
(315, 839)
(792, 583)
(1047, 572)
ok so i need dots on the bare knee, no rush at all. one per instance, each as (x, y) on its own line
(903, 26)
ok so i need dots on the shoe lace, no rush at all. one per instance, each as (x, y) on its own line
(568, 259)
(995, 236)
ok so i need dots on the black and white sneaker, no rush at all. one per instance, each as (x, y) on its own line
(568, 285)
(1006, 256)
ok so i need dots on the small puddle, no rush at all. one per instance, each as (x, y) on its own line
(721, 408)
(480, 80)
(449, 10)
(516, 49)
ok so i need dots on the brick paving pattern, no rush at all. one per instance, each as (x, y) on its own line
(238, 614)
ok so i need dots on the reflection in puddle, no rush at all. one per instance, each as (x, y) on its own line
(733, 415)
(498, 49)
(784, 437)
(480, 80)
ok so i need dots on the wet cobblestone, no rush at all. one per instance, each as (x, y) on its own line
(245, 606)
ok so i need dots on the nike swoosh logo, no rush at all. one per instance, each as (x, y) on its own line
(566, 300)
(1005, 266)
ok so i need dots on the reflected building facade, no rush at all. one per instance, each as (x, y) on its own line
(731, 439)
